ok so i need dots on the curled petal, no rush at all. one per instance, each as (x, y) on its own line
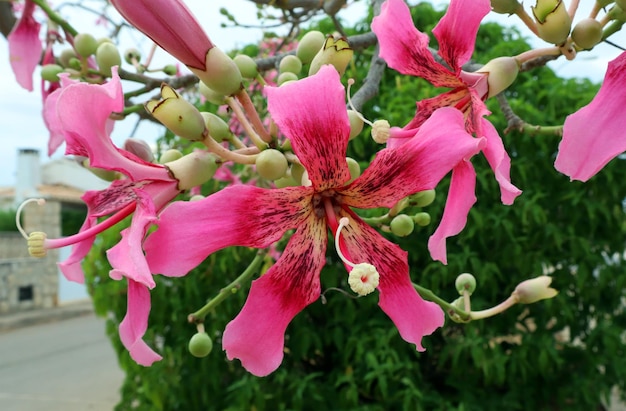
(594, 135)
(419, 164)
(460, 200)
(312, 114)
(25, 47)
(135, 323)
(71, 267)
(257, 335)
(238, 215)
(51, 118)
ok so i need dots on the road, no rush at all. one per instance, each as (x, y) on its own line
(61, 366)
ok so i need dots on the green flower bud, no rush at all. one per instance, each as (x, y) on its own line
(104, 40)
(107, 56)
(460, 304)
(197, 197)
(535, 289)
(505, 6)
(75, 63)
(554, 22)
(422, 219)
(200, 345)
(336, 52)
(616, 13)
(247, 66)
(85, 44)
(423, 198)
(221, 73)
(65, 56)
(465, 282)
(170, 155)
(211, 95)
(193, 170)
(286, 77)
(271, 164)
(290, 64)
(132, 55)
(297, 171)
(587, 33)
(402, 225)
(106, 175)
(218, 129)
(139, 148)
(309, 45)
(177, 114)
(354, 168)
(286, 181)
(356, 123)
(50, 72)
(170, 70)
(502, 73)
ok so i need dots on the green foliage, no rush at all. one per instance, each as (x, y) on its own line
(7, 220)
(345, 354)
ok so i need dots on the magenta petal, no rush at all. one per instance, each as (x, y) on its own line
(71, 267)
(257, 335)
(419, 164)
(312, 114)
(405, 49)
(460, 200)
(25, 47)
(456, 31)
(135, 323)
(594, 135)
(238, 215)
(51, 117)
(413, 316)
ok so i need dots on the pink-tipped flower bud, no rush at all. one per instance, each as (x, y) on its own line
(535, 289)
(553, 21)
(336, 52)
(194, 169)
(502, 73)
(587, 33)
(139, 148)
(310, 44)
(177, 114)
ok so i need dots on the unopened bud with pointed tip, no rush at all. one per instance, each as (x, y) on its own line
(177, 114)
(336, 52)
(553, 21)
(193, 170)
(502, 73)
(535, 289)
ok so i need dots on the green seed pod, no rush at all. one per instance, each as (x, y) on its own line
(132, 55)
(286, 77)
(587, 33)
(402, 225)
(170, 155)
(200, 345)
(50, 72)
(107, 56)
(465, 282)
(309, 45)
(290, 64)
(247, 66)
(354, 168)
(356, 123)
(85, 44)
(218, 128)
(271, 164)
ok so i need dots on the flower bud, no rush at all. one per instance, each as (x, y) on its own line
(50, 72)
(309, 45)
(65, 56)
(247, 66)
(402, 225)
(221, 73)
(505, 6)
(354, 168)
(193, 169)
(502, 72)
(106, 175)
(465, 282)
(177, 114)
(336, 52)
(132, 55)
(286, 77)
(290, 64)
(211, 95)
(460, 304)
(554, 23)
(85, 44)
(139, 148)
(356, 123)
(587, 33)
(297, 172)
(535, 289)
(286, 181)
(107, 56)
(200, 345)
(218, 129)
(170, 69)
(170, 155)
(423, 198)
(422, 219)
(271, 164)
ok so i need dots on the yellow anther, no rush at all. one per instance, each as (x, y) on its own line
(35, 243)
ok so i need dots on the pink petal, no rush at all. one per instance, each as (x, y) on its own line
(594, 135)
(312, 114)
(405, 49)
(238, 215)
(25, 47)
(419, 164)
(171, 25)
(135, 323)
(500, 163)
(413, 316)
(71, 267)
(456, 31)
(257, 335)
(51, 117)
(460, 200)
(457, 98)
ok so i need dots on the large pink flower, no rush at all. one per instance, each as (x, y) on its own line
(25, 46)
(594, 135)
(312, 114)
(405, 49)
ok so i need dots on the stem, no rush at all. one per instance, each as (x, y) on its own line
(526, 19)
(254, 137)
(52, 15)
(533, 54)
(230, 289)
(243, 98)
(490, 312)
(430, 296)
(226, 154)
(573, 6)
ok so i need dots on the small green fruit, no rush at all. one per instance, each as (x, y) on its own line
(200, 345)
(271, 164)
(402, 225)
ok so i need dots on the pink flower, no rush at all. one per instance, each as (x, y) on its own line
(312, 114)
(25, 47)
(405, 49)
(594, 135)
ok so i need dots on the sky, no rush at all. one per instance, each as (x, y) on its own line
(22, 126)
